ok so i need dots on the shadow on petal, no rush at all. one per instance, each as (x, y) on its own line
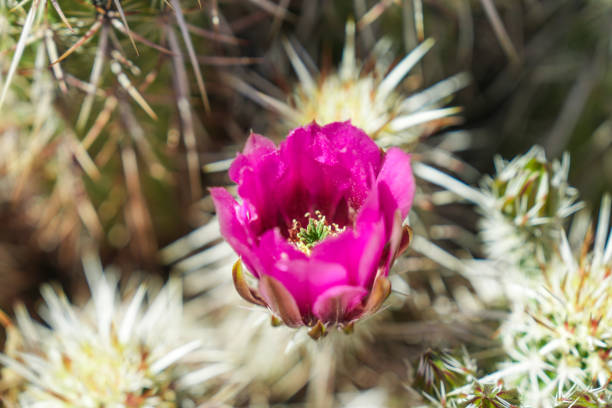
(336, 305)
(396, 173)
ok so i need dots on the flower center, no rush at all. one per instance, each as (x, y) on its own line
(318, 229)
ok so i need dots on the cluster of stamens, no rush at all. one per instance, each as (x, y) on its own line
(318, 229)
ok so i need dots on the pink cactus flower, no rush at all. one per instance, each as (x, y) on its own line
(319, 223)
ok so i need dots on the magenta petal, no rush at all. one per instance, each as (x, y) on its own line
(380, 209)
(258, 144)
(314, 181)
(358, 251)
(396, 173)
(338, 303)
(234, 228)
(257, 173)
(228, 209)
(373, 249)
(330, 169)
(256, 147)
(395, 240)
(380, 204)
(274, 247)
(305, 278)
(354, 148)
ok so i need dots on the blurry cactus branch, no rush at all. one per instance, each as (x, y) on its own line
(112, 100)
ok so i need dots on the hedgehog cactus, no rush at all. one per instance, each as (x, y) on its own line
(528, 200)
(560, 337)
(373, 98)
(600, 397)
(85, 113)
(450, 382)
(128, 349)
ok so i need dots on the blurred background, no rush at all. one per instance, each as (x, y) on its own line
(116, 116)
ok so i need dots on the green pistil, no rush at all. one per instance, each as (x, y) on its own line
(314, 232)
(317, 230)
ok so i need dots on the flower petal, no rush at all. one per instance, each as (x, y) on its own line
(256, 147)
(380, 204)
(305, 278)
(330, 169)
(338, 303)
(235, 227)
(354, 148)
(393, 245)
(377, 239)
(280, 301)
(257, 171)
(258, 144)
(396, 173)
(358, 252)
